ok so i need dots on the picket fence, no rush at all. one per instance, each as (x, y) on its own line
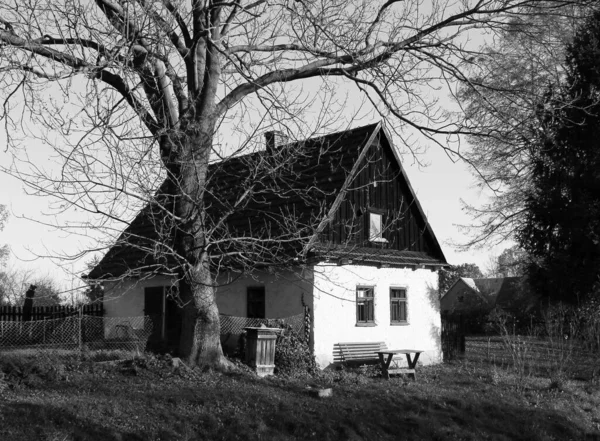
(16, 313)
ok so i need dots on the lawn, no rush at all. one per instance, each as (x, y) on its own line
(476, 398)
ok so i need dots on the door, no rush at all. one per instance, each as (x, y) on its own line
(172, 320)
(255, 305)
(154, 307)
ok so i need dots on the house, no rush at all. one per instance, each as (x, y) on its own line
(510, 294)
(363, 257)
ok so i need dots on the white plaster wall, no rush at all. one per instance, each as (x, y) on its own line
(124, 300)
(285, 293)
(334, 313)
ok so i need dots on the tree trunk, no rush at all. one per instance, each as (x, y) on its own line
(187, 167)
(200, 343)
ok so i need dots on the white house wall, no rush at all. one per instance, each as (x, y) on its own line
(334, 312)
(286, 294)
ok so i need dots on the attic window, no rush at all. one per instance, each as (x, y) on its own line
(376, 227)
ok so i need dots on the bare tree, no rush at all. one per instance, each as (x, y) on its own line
(132, 93)
(4, 250)
(508, 82)
(14, 283)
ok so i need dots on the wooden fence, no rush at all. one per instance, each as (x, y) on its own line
(453, 337)
(15, 313)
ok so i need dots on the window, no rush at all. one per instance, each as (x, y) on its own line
(376, 227)
(365, 305)
(398, 309)
(255, 302)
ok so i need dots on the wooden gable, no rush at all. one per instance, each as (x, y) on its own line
(326, 186)
(380, 186)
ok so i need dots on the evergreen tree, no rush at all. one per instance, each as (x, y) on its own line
(562, 229)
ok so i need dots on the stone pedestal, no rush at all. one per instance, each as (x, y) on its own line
(260, 349)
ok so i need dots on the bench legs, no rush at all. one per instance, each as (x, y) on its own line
(385, 362)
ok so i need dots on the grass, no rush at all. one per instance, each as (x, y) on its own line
(147, 399)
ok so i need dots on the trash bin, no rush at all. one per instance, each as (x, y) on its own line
(260, 349)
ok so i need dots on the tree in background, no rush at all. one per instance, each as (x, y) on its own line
(562, 228)
(448, 276)
(135, 92)
(4, 250)
(94, 290)
(512, 262)
(507, 84)
(14, 283)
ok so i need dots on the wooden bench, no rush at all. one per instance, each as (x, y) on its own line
(358, 352)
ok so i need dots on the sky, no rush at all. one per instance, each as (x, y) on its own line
(440, 186)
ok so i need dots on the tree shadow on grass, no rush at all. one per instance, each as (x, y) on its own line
(25, 421)
(401, 413)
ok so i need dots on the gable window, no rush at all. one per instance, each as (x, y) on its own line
(365, 305)
(376, 227)
(398, 306)
(255, 302)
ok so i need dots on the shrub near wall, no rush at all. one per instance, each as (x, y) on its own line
(293, 355)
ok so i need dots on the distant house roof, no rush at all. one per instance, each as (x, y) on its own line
(503, 292)
(319, 168)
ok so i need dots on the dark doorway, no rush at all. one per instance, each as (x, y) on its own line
(255, 302)
(161, 307)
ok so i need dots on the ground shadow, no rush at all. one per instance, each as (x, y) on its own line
(46, 422)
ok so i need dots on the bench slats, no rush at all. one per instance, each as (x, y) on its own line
(358, 351)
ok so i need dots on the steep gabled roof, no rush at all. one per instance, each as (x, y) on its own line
(317, 171)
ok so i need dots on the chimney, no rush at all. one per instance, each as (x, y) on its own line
(275, 139)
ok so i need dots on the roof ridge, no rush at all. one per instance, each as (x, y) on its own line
(312, 139)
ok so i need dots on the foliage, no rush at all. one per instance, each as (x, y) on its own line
(562, 227)
(448, 276)
(293, 356)
(588, 322)
(512, 262)
(515, 344)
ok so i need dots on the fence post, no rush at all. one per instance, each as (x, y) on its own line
(80, 313)
(307, 324)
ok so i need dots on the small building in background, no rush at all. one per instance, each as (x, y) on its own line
(509, 294)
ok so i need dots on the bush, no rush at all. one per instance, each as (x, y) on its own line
(28, 369)
(293, 356)
(588, 322)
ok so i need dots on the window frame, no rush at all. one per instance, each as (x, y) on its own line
(375, 238)
(364, 301)
(398, 300)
